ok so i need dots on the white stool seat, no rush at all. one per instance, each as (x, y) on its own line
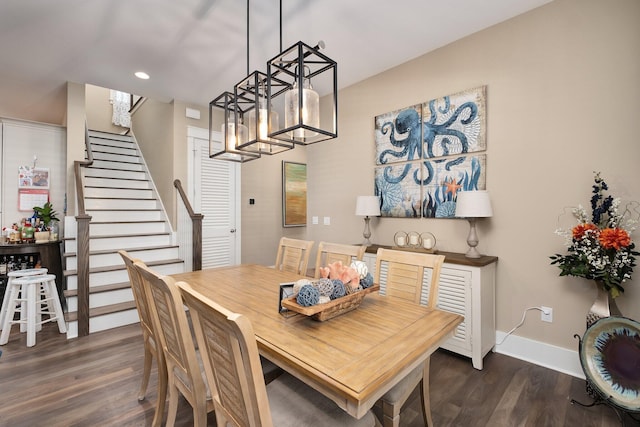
(12, 275)
(36, 295)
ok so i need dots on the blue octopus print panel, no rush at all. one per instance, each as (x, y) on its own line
(398, 187)
(443, 178)
(399, 136)
(454, 124)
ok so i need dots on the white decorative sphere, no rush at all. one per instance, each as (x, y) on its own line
(361, 268)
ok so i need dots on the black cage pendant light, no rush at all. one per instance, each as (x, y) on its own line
(234, 132)
(295, 77)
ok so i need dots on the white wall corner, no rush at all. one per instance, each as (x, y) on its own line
(542, 354)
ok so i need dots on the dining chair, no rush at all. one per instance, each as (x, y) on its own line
(232, 366)
(414, 277)
(293, 255)
(332, 252)
(151, 344)
(170, 321)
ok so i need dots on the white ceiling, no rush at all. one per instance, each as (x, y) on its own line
(196, 49)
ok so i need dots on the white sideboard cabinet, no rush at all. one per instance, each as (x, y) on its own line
(467, 287)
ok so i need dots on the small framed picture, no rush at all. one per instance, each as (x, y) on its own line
(33, 177)
(286, 291)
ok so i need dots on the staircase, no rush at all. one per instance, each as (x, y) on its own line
(126, 213)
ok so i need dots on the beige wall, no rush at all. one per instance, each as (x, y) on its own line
(562, 93)
(75, 123)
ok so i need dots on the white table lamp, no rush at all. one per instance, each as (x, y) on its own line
(472, 205)
(367, 206)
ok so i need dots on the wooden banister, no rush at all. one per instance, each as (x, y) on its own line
(196, 221)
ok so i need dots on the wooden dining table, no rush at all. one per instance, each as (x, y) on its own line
(354, 358)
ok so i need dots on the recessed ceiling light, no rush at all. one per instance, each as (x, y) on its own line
(142, 75)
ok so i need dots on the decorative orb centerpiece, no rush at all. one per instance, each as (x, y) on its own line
(308, 296)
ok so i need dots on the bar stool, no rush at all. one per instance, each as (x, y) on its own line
(32, 289)
(12, 275)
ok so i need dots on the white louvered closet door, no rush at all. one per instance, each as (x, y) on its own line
(214, 193)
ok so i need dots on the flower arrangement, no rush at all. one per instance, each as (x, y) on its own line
(600, 247)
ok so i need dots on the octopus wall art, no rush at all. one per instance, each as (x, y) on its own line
(427, 153)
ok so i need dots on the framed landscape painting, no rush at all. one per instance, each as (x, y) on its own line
(294, 194)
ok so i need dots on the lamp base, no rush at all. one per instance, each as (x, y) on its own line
(367, 232)
(472, 240)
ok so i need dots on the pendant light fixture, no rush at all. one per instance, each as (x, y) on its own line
(234, 132)
(294, 77)
(251, 96)
(270, 113)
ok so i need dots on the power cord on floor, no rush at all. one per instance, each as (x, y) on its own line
(524, 314)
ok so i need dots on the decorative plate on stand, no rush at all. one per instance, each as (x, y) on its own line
(610, 358)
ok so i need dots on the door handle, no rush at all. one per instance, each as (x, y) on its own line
(233, 230)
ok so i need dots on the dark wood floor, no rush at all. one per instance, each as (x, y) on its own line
(93, 381)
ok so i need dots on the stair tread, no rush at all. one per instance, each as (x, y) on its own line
(72, 316)
(122, 266)
(130, 250)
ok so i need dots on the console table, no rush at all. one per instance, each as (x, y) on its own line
(467, 287)
(49, 254)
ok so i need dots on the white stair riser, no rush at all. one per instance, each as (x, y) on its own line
(114, 157)
(120, 204)
(108, 321)
(115, 165)
(113, 149)
(97, 230)
(118, 243)
(113, 173)
(117, 215)
(100, 299)
(120, 276)
(111, 139)
(104, 260)
(116, 182)
(118, 192)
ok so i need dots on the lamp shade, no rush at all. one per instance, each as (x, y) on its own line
(473, 204)
(368, 206)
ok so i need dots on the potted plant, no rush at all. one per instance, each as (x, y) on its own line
(47, 216)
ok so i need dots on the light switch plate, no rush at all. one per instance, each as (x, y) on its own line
(327, 220)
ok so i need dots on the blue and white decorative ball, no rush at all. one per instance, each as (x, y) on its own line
(299, 284)
(367, 281)
(324, 286)
(308, 296)
(338, 289)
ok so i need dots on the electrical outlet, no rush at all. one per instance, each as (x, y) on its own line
(546, 315)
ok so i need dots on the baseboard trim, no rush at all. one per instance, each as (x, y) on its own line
(542, 354)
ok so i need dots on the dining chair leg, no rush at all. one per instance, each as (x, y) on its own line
(424, 394)
(146, 371)
(173, 405)
(162, 394)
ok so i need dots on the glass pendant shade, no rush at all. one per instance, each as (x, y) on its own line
(302, 86)
(309, 114)
(251, 98)
(234, 133)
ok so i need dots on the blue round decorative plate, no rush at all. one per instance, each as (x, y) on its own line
(610, 358)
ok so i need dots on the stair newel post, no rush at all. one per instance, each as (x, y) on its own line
(197, 241)
(82, 252)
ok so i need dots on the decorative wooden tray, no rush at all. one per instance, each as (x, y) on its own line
(331, 309)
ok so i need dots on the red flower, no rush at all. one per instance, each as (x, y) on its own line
(579, 230)
(614, 238)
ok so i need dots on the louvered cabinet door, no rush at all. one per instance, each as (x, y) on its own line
(469, 291)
